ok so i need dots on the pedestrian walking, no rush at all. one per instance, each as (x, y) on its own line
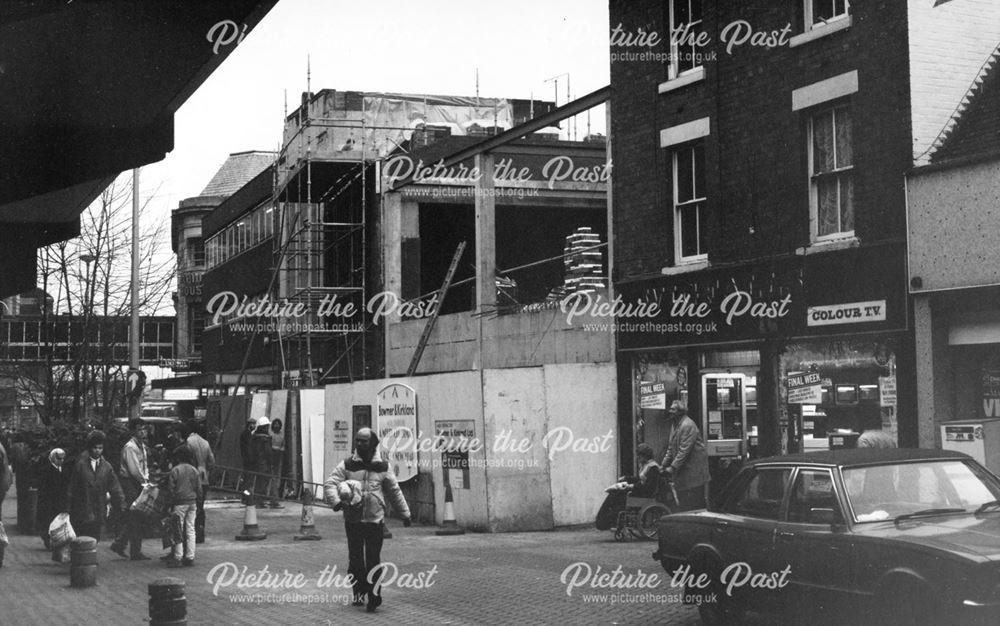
(52, 482)
(203, 460)
(133, 475)
(183, 489)
(686, 460)
(92, 480)
(363, 521)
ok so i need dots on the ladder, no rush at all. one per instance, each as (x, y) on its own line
(426, 335)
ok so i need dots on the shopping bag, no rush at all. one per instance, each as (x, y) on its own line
(152, 501)
(61, 531)
(171, 531)
(4, 541)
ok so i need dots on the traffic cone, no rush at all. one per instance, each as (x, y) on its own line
(449, 526)
(251, 532)
(307, 530)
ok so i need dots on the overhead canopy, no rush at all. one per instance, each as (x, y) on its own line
(88, 90)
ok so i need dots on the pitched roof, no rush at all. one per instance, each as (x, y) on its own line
(975, 127)
(239, 169)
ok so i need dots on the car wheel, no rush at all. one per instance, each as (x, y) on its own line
(722, 610)
(649, 519)
(907, 604)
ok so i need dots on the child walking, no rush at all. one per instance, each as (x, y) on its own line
(184, 489)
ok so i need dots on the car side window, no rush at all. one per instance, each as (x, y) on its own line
(761, 495)
(813, 489)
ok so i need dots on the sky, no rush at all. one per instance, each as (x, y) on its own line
(432, 47)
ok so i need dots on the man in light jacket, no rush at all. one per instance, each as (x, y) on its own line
(686, 460)
(133, 474)
(203, 460)
(363, 521)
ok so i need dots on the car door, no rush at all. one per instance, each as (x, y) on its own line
(814, 542)
(745, 535)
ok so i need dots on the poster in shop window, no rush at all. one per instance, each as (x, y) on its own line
(991, 392)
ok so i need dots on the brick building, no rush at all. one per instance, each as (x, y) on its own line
(759, 200)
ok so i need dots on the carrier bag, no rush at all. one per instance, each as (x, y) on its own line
(151, 502)
(61, 531)
(171, 531)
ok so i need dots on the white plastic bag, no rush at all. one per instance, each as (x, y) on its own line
(61, 531)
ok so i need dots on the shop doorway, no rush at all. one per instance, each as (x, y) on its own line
(724, 411)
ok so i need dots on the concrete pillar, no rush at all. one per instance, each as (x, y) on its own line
(933, 373)
(400, 221)
(486, 263)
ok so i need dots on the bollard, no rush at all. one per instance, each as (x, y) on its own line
(83, 562)
(167, 602)
(307, 529)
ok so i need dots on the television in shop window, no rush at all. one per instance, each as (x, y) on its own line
(868, 393)
(847, 394)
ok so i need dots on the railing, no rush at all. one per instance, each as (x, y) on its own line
(263, 486)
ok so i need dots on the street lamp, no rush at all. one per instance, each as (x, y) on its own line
(88, 299)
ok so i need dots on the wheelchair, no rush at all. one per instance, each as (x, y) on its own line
(640, 517)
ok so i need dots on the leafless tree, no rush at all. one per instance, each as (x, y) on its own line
(89, 279)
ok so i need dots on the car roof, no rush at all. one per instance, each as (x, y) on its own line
(862, 456)
(149, 420)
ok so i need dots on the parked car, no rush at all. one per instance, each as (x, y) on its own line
(869, 536)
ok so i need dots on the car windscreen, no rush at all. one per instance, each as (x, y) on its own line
(884, 492)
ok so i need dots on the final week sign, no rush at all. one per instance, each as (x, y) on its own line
(396, 425)
(805, 388)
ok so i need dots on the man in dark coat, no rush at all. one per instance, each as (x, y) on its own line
(686, 460)
(52, 482)
(92, 479)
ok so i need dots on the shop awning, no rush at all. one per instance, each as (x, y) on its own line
(88, 90)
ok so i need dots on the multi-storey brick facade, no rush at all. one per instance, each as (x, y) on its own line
(758, 171)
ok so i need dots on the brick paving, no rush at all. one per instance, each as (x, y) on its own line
(511, 578)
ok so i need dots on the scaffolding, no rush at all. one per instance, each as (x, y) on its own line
(321, 249)
(325, 194)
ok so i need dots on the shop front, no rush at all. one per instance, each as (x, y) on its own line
(799, 356)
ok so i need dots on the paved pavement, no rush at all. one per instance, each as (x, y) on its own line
(511, 578)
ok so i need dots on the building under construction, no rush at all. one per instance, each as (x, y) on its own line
(306, 232)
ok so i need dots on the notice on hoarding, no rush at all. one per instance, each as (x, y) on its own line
(341, 438)
(847, 313)
(887, 390)
(652, 396)
(455, 437)
(804, 388)
(396, 425)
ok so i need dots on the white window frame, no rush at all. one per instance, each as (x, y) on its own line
(676, 207)
(673, 67)
(814, 177)
(810, 19)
